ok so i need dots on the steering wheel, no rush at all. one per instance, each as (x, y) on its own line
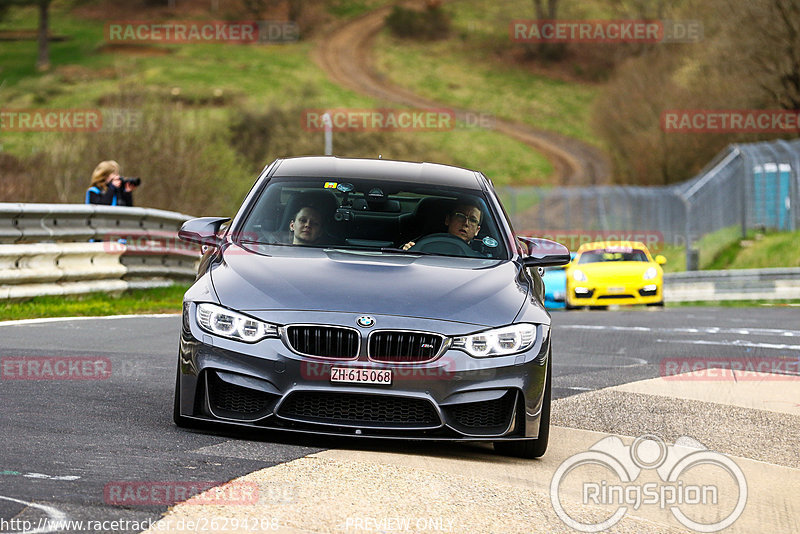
(443, 243)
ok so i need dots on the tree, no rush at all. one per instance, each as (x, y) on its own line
(549, 11)
(760, 46)
(43, 57)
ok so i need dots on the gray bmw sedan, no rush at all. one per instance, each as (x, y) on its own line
(374, 298)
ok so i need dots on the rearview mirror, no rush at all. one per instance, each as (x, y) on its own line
(544, 253)
(661, 260)
(203, 230)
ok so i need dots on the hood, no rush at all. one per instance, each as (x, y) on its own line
(477, 291)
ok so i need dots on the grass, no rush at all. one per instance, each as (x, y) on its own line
(711, 246)
(143, 301)
(464, 71)
(768, 250)
(84, 73)
(725, 249)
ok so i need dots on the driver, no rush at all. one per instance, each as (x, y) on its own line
(463, 222)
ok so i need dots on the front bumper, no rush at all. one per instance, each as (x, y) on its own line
(585, 294)
(454, 397)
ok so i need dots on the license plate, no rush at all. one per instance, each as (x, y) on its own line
(352, 375)
(616, 289)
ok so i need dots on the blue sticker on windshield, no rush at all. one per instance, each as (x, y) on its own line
(345, 188)
(490, 242)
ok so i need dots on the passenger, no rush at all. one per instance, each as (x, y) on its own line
(106, 184)
(306, 226)
(463, 222)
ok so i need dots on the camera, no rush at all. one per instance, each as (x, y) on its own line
(135, 181)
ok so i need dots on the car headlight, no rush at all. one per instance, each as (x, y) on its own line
(227, 323)
(497, 342)
(579, 276)
(650, 273)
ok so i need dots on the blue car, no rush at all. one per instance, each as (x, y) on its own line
(555, 286)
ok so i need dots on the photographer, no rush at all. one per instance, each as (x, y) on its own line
(105, 185)
(108, 188)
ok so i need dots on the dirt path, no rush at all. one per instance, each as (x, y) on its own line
(345, 54)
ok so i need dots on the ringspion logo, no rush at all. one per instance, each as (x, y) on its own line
(618, 478)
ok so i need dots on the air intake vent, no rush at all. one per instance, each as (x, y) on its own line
(353, 409)
(324, 341)
(402, 346)
(487, 417)
(237, 402)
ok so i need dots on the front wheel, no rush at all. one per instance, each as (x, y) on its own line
(532, 448)
(179, 420)
(659, 304)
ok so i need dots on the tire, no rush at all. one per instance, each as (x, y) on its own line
(659, 304)
(532, 448)
(179, 420)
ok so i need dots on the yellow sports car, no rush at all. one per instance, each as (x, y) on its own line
(615, 272)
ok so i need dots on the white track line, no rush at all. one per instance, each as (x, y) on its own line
(698, 330)
(733, 343)
(56, 519)
(24, 322)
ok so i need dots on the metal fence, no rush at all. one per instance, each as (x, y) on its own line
(747, 186)
(59, 249)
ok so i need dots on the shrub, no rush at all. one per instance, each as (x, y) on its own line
(183, 158)
(259, 137)
(432, 23)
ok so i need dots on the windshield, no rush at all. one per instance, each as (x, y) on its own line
(613, 254)
(373, 214)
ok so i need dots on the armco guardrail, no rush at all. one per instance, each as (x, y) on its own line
(55, 249)
(734, 284)
(59, 269)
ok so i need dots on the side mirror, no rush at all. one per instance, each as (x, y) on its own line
(544, 253)
(661, 260)
(203, 230)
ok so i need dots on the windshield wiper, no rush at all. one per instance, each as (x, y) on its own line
(404, 251)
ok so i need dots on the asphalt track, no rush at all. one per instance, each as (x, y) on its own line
(65, 442)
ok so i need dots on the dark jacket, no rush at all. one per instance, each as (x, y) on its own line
(124, 198)
(94, 195)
